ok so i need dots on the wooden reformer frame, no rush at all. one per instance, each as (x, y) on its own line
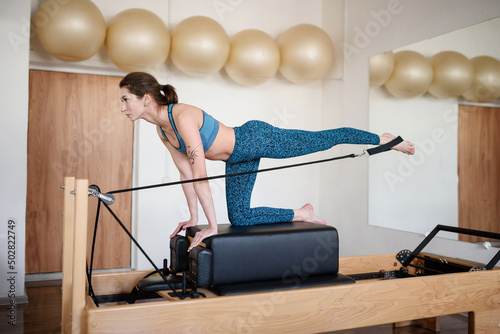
(306, 310)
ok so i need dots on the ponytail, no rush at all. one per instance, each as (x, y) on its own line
(140, 83)
(169, 93)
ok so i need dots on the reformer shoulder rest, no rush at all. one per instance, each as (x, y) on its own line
(266, 257)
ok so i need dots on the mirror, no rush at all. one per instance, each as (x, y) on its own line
(416, 193)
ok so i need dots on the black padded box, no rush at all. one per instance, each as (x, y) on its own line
(286, 252)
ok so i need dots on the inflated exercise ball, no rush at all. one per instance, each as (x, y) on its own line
(137, 40)
(253, 59)
(381, 67)
(307, 53)
(453, 74)
(200, 46)
(485, 86)
(71, 30)
(411, 76)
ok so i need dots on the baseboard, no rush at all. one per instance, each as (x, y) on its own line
(43, 277)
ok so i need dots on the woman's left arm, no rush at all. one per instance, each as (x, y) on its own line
(188, 128)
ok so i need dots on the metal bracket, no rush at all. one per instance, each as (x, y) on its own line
(365, 152)
(403, 255)
(477, 268)
(106, 198)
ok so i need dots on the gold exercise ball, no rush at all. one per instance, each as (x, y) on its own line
(200, 46)
(137, 40)
(253, 59)
(381, 66)
(73, 30)
(486, 83)
(306, 53)
(453, 74)
(411, 76)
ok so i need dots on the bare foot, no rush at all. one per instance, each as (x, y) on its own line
(404, 147)
(306, 214)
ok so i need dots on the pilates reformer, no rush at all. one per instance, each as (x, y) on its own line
(379, 289)
(311, 261)
(305, 286)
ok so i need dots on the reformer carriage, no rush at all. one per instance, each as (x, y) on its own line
(320, 292)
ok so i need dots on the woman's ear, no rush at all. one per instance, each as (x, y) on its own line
(147, 99)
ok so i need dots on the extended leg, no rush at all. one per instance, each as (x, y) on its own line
(256, 139)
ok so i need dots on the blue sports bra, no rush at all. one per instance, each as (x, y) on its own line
(208, 131)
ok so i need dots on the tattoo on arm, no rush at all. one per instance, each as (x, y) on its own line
(192, 155)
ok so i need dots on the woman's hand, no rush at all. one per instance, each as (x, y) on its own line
(200, 235)
(182, 226)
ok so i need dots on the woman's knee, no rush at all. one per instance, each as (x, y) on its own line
(240, 215)
(237, 218)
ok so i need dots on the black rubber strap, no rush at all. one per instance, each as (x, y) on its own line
(385, 147)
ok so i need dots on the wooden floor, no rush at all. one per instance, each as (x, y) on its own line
(42, 315)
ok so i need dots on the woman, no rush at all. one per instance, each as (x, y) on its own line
(191, 136)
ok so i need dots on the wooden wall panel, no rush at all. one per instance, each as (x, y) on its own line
(479, 169)
(75, 128)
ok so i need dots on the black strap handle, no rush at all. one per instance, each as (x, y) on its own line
(385, 147)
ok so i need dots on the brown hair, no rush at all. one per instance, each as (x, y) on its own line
(140, 83)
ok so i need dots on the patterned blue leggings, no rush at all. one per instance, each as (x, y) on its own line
(255, 140)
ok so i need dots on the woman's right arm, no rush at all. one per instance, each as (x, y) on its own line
(185, 171)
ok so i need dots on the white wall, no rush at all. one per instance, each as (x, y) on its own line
(14, 60)
(338, 190)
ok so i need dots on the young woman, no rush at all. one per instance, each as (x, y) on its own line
(191, 136)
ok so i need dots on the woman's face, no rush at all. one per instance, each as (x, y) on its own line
(132, 106)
